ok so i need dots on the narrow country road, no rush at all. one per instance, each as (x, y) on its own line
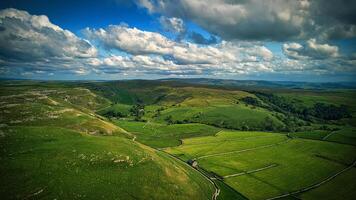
(217, 190)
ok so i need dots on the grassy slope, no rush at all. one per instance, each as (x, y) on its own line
(45, 136)
(161, 135)
(346, 135)
(337, 97)
(116, 108)
(214, 106)
(232, 116)
(316, 134)
(47, 158)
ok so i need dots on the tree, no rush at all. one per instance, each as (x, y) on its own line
(137, 111)
(169, 119)
(268, 124)
(251, 101)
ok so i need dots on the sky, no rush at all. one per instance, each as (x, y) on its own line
(277, 40)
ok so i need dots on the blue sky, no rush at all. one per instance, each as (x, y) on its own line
(117, 39)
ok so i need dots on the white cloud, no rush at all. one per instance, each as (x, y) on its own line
(322, 50)
(292, 50)
(26, 36)
(138, 42)
(31, 43)
(311, 50)
(173, 24)
(131, 40)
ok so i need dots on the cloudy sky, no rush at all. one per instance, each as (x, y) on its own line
(297, 40)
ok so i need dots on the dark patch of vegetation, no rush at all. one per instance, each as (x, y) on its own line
(137, 111)
(114, 114)
(330, 112)
(169, 119)
(251, 101)
(297, 109)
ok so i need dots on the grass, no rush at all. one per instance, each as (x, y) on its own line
(298, 167)
(337, 97)
(229, 116)
(44, 160)
(54, 148)
(346, 135)
(342, 187)
(224, 142)
(315, 134)
(162, 135)
(55, 145)
(299, 163)
(311, 97)
(116, 108)
(227, 192)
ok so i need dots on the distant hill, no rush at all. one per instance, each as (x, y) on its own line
(267, 84)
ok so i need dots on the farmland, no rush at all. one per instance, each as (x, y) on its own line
(287, 164)
(132, 139)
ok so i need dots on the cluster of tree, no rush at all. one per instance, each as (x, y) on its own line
(158, 112)
(169, 120)
(251, 101)
(137, 111)
(330, 112)
(293, 107)
(114, 114)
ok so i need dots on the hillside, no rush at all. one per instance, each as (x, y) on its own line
(54, 146)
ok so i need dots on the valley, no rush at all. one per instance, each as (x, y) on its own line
(133, 140)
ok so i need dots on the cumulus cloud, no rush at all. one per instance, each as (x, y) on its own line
(311, 50)
(173, 24)
(33, 41)
(131, 40)
(31, 44)
(264, 20)
(138, 42)
(153, 52)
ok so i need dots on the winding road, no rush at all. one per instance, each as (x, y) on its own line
(217, 190)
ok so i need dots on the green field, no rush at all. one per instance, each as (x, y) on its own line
(291, 164)
(132, 139)
(228, 116)
(162, 135)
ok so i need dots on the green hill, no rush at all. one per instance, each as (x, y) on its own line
(53, 146)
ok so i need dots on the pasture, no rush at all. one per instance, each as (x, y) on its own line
(161, 135)
(263, 165)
